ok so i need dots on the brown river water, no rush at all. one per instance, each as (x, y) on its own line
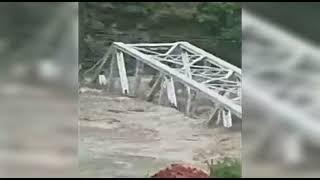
(129, 137)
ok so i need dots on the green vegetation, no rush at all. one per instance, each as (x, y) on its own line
(212, 26)
(227, 168)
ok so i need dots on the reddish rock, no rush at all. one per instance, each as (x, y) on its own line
(181, 171)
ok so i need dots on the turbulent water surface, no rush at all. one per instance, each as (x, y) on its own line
(129, 137)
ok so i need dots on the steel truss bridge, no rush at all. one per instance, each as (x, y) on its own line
(198, 70)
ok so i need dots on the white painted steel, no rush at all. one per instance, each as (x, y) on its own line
(197, 69)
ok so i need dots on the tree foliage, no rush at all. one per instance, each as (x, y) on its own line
(213, 26)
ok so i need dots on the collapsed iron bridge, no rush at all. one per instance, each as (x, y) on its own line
(198, 70)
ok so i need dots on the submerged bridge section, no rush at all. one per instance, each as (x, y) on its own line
(199, 71)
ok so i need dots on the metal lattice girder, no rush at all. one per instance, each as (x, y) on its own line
(212, 79)
(197, 69)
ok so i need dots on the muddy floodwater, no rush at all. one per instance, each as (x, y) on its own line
(129, 137)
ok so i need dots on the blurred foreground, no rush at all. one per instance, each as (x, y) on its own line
(38, 89)
(281, 127)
